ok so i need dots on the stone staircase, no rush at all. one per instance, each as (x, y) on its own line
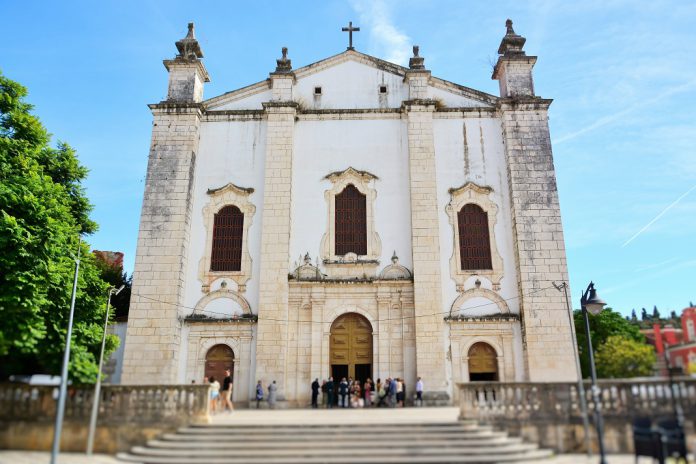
(355, 443)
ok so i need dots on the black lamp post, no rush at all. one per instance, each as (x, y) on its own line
(590, 302)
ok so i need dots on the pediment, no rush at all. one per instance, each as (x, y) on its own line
(350, 80)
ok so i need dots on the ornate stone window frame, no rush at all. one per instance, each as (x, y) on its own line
(229, 194)
(478, 195)
(362, 181)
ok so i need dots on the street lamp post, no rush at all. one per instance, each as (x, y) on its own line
(590, 302)
(97, 387)
(63, 391)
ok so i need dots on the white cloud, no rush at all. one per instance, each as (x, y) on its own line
(386, 40)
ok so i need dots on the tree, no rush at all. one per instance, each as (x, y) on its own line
(634, 318)
(655, 314)
(644, 315)
(113, 273)
(621, 357)
(602, 326)
(43, 212)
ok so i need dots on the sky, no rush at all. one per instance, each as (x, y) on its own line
(621, 73)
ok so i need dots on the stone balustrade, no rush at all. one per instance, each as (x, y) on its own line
(551, 413)
(128, 414)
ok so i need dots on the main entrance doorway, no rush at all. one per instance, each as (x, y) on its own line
(217, 360)
(483, 362)
(351, 347)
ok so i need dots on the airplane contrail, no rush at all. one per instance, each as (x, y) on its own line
(658, 216)
(613, 117)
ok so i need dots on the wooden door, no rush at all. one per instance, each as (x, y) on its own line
(218, 359)
(483, 362)
(351, 343)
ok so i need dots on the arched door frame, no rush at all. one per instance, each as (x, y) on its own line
(326, 339)
(497, 349)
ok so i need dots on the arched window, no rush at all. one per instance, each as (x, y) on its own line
(228, 229)
(474, 241)
(351, 222)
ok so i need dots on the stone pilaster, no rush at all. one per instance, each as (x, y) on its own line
(536, 218)
(153, 337)
(154, 332)
(272, 341)
(427, 287)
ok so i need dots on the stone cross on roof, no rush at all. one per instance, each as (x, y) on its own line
(350, 29)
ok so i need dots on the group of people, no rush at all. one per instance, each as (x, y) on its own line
(272, 392)
(346, 393)
(349, 393)
(220, 395)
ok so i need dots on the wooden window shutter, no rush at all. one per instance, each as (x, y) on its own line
(227, 240)
(351, 222)
(474, 240)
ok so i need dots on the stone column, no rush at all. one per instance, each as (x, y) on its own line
(384, 342)
(153, 340)
(271, 346)
(427, 287)
(536, 218)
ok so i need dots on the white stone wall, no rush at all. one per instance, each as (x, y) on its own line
(373, 145)
(472, 150)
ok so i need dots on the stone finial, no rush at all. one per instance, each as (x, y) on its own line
(416, 61)
(394, 258)
(512, 43)
(188, 47)
(307, 258)
(283, 65)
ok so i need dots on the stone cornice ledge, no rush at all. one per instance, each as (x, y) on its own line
(197, 319)
(529, 103)
(176, 107)
(408, 104)
(280, 104)
(492, 318)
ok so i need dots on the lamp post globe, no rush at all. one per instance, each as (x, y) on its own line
(594, 304)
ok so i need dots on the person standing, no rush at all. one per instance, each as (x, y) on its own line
(343, 392)
(324, 394)
(330, 393)
(227, 392)
(419, 392)
(214, 394)
(392, 393)
(259, 394)
(272, 389)
(315, 393)
(368, 393)
(399, 392)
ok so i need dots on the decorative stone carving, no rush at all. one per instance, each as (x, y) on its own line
(307, 271)
(395, 271)
(481, 293)
(229, 194)
(351, 265)
(476, 194)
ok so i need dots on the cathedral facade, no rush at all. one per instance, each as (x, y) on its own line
(353, 218)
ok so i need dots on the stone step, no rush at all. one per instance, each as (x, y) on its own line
(223, 445)
(205, 428)
(492, 457)
(393, 449)
(366, 435)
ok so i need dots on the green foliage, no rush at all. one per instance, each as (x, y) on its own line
(621, 357)
(43, 210)
(602, 326)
